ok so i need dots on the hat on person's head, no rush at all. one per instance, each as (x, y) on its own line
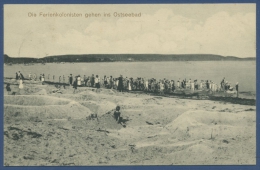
(237, 83)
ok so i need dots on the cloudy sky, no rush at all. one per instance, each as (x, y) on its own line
(224, 29)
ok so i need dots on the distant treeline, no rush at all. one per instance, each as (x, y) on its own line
(123, 57)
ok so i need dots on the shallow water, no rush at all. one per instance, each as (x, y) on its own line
(243, 72)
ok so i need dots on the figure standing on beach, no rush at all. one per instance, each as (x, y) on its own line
(20, 76)
(161, 88)
(97, 83)
(120, 84)
(105, 81)
(173, 85)
(207, 84)
(92, 81)
(63, 82)
(84, 80)
(237, 88)
(42, 78)
(8, 88)
(201, 84)
(89, 81)
(222, 83)
(70, 79)
(111, 82)
(79, 80)
(53, 77)
(20, 84)
(75, 84)
(192, 85)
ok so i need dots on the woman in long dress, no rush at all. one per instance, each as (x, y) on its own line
(20, 84)
(42, 78)
(192, 86)
(130, 84)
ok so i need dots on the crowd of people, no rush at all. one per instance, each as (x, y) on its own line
(161, 86)
(121, 83)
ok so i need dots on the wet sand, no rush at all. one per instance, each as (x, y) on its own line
(44, 126)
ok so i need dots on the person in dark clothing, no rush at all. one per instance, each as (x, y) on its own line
(8, 88)
(117, 114)
(105, 81)
(173, 86)
(207, 84)
(237, 88)
(70, 79)
(120, 84)
(16, 76)
(92, 80)
(20, 76)
(222, 83)
(75, 84)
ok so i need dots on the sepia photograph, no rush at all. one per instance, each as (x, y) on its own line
(129, 84)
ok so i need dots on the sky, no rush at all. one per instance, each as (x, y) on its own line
(222, 29)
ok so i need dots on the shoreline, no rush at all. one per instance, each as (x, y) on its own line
(179, 93)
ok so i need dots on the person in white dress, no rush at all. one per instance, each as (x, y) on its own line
(20, 84)
(146, 85)
(42, 78)
(79, 80)
(129, 85)
(178, 83)
(192, 86)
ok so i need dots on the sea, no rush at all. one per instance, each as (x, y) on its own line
(243, 72)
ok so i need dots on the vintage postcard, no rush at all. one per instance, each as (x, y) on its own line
(140, 84)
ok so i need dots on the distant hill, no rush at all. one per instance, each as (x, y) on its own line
(124, 57)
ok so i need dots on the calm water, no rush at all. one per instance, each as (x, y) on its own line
(243, 72)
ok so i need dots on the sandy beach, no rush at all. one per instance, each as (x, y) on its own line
(44, 126)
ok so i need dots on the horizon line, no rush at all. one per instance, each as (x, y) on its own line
(130, 54)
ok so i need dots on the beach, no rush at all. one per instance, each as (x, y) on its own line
(46, 126)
